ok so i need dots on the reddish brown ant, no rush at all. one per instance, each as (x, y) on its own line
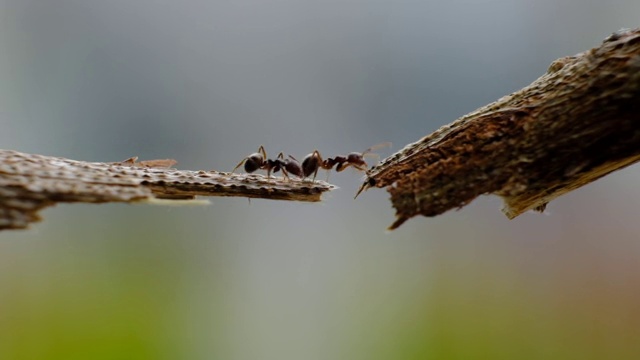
(258, 161)
(314, 161)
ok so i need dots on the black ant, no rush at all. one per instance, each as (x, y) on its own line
(258, 161)
(314, 161)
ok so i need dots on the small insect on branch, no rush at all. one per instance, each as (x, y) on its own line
(314, 161)
(259, 161)
(31, 182)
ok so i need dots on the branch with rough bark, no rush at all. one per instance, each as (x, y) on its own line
(31, 182)
(576, 123)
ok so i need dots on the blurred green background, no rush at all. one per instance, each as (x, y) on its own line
(206, 83)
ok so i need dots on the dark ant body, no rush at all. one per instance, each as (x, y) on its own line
(313, 162)
(258, 161)
(288, 166)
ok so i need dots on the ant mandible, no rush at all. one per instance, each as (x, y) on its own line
(258, 161)
(313, 162)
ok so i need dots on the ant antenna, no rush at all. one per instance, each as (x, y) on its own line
(239, 164)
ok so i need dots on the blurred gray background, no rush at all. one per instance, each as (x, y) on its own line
(206, 83)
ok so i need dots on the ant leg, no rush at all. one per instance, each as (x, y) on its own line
(343, 165)
(285, 174)
(239, 164)
(360, 167)
(272, 166)
(320, 161)
(261, 151)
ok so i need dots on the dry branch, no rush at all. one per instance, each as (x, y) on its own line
(573, 125)
(30, 182)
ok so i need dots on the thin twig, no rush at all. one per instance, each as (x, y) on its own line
(31, 182)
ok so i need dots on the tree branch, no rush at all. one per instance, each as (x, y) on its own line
(573, 125)
(30, 182)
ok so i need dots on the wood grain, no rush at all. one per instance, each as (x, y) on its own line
(576, 123)
(30, 182)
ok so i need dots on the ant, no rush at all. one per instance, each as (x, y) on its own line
(314, 161)
(258, 161)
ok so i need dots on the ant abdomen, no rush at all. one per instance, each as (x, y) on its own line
(253, 162)
(292, 166)
(311, 163)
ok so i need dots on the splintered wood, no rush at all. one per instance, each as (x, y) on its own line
(575, 124)
(30, 182)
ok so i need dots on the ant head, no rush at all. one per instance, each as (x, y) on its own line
(311, 163)
(356, 159)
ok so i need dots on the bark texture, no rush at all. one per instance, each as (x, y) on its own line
(573, 125)
(31, 182)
